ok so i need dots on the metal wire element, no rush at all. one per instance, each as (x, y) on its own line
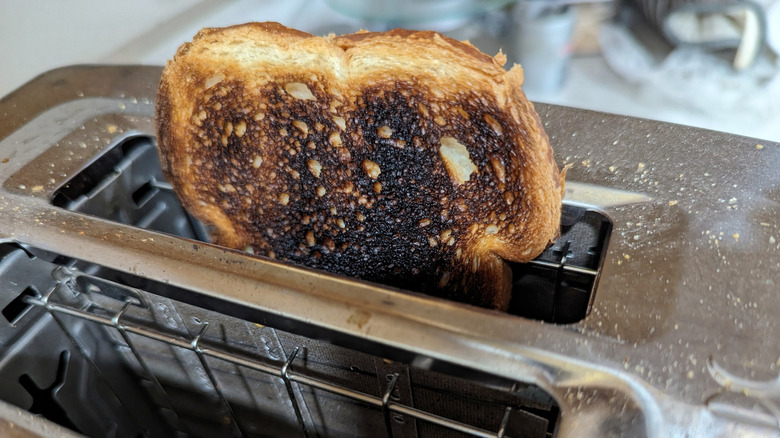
(504, 422)
(50, 308)
(149, 374)
(291, 393)
(213, 379)
(386, 403)
(282, 371)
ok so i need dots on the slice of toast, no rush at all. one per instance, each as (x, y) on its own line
(404, 158)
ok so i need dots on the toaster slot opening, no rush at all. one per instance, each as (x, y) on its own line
(140, 364)
(126, 184)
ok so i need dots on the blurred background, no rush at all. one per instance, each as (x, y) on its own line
(705, 63)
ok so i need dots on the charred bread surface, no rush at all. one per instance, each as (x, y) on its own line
(405, 158)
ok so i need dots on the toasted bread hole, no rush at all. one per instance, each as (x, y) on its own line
(284, 198)
(228, 128)
(451, 241)
(214, 80)
(372, 169)
(424, 222)
(377, 187)
(384, 131)
(340, 122)
(423, 109)
(306, 219)
(494, 125)
(456, 160)
(333, 211)
(462, 112)
(314, 167)
(335, 139)
(502, 216)
(321, 191)
(445, 278)
(257, 161)
(440, 120)
(360, 217)
(458, 252)
(302, 126)
(432, 241)
(310, 241)
(299, 90)
(340, 223)
(498, 169)
(474, 228)
(491, 229)
(445, 235)
(311, 145)
(283, 132)
(259, 116)
(218, 106)
(224, 140)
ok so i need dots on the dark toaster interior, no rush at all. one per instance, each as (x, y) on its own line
(107, 353)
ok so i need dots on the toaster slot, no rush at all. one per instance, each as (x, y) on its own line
(103, 358)
(126, 184)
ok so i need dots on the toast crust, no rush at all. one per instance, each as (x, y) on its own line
(405, 158)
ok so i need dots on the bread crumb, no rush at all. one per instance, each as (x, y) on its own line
(299, 90)
(491, 229)
(321, 191)
(493, 123)
(377, 187)
(498, 168)
(736, 237)
(456, 159)
(314, 167)
(340, 122)
(673, 202)
(372, 169)
(440, 120)
(257, 161)
(445, 278)
(284, 198)
(340, 223)
(240, 129)
(335, 139)
(424, 222)
(759, 146)
(384, 131)
(303, 127)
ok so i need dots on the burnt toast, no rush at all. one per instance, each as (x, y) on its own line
(404, 158)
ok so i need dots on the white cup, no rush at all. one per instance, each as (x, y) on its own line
(542, 45)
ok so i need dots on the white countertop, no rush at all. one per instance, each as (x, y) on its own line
(53, 34)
